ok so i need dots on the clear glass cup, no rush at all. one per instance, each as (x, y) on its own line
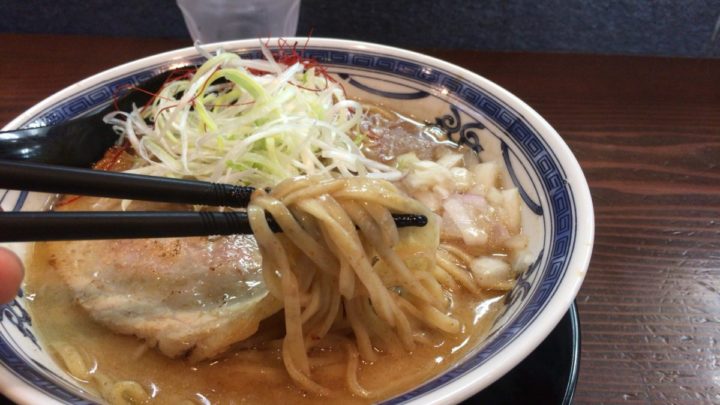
(221, 20)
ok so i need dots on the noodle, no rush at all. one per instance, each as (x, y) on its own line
(116, 392)
(73, 360)
(351, 372)
(374, 305)
(462, 276)
(127, 392)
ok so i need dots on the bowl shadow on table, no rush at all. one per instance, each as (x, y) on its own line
(548, 375)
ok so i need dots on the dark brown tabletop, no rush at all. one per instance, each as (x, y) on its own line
(647, 134)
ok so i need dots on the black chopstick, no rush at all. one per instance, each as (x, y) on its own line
(85, 225)
(65, 180)
(38, 226)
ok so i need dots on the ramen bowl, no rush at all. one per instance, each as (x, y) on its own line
(557, 212)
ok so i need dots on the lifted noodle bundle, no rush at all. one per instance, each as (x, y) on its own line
(334, 266)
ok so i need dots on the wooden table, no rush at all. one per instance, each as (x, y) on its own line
(647, 134)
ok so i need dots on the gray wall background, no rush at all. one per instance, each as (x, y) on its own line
(689, 28)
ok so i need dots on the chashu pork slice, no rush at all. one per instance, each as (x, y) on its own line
(189, 297)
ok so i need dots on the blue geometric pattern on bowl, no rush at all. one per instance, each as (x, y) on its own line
(467, 104)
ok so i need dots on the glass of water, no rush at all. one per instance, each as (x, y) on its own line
(221, 20)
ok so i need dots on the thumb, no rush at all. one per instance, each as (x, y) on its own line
(11, 274)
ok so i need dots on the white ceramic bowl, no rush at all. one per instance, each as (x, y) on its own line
(557, 209)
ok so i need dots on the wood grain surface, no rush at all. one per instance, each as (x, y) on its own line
(647, 134)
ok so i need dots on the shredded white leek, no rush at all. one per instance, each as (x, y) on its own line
(262, 123)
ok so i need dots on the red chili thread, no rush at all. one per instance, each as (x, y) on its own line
(180, 74)
(291, 57)
(193, 98)
(68, 200)
(175, 75)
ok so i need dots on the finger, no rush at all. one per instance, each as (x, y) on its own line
(11, 274)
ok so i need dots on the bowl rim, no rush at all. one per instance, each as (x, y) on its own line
(471, 382)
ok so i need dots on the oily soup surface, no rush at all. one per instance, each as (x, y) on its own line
(254, 375)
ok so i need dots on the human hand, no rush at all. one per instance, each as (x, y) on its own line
(11, 274)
